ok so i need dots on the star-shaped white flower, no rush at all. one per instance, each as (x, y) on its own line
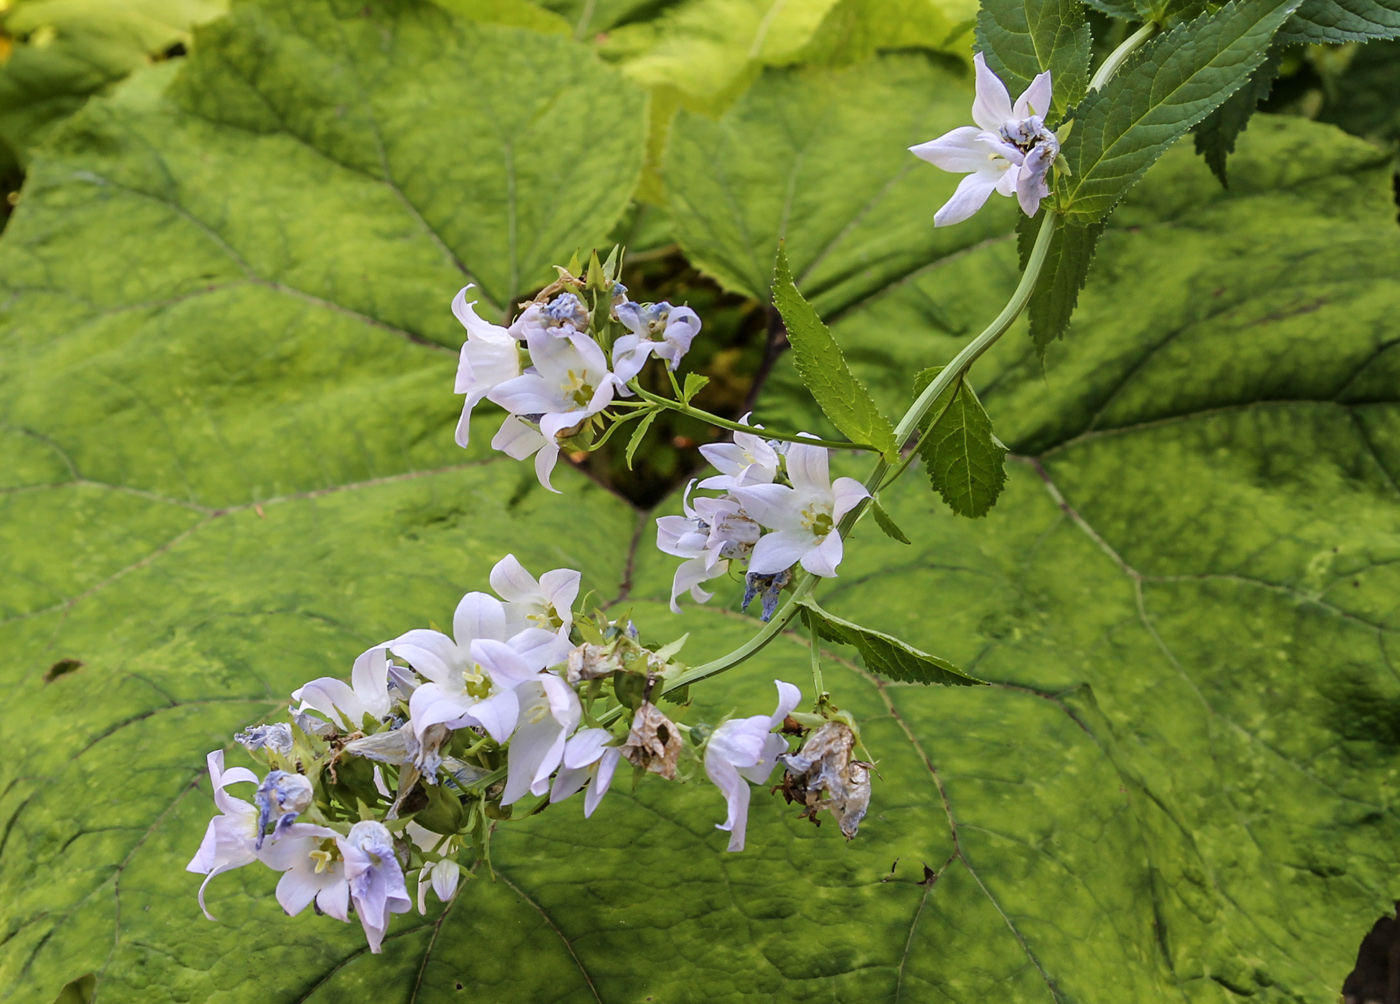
(804, 517)
(746, 749)
(346, 705)
(1009, 150)
(490, 356)
(376, 878)
(749, 460)
(231, 837)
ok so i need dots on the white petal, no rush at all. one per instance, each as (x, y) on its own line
(689, 575)
(507, 667)
(789, 697)
(512, 583)
(544, 465)
(773, 506)
(478, 615)
(777, 551)
(498, 715)
(971, 195)
(959, 151)
(606, 766)
(736, 796)
(432, 704)
(560, 587)
(431, 653)
(823, 559)
(585, 747)
(529, 394)
(847, 493)
(992, 106)
(516, 439)
(370, 679)
(1036, 99)
(807, 469)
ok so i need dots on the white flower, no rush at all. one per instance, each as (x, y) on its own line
(441, 876)
(549, 713)
(749, 460)
(1008, 151)
(367, 694)
(490, 356)
(229, 841)
(688, 537)
(312, 869)
(376, 878)
(588, 759)
(567, 383)
(459, 691)
(678, 327)
(804, 517)
(746, 748)
(546, 602)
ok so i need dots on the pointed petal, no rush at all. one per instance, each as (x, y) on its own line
(777, 551)
(971, 195)
(807, 469)
(478, 615)
(992, 106)
(959, 151)
(603, 781)
(516, 439)
(512, 583)
(823, 559)
(1036, 99)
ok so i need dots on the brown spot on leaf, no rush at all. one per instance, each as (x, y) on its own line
(62, 668)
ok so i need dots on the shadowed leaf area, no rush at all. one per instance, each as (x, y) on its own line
(229, 470)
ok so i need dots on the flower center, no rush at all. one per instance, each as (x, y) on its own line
(324, 856)
(579, 389)
(475, 682)
(817, 518)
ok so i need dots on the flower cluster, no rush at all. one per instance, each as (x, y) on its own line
(559, 388)
(780, 510)
(1009, 151)
(385, 780)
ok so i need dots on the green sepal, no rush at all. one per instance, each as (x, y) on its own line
(637, 435)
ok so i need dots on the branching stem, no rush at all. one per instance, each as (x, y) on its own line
(1119, 56)
(725, 423)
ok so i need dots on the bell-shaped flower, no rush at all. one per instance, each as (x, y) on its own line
(688, 537)
(546, 603)
(230, 840)
(1009, 150)
(347, 705)
(677, 326)
(749, 460)
(490, 356)
(804, 517)
(312, 869)
(567, 383)
(588, 759)
(743, 750)
(549, 713)
(460, 692)
(376, 878)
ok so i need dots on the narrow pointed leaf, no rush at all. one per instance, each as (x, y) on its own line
(886, 522)
(1217, 132)
(1065, 271)
(823, 368)
(885, 655)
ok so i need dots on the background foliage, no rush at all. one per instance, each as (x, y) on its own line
(226, 467)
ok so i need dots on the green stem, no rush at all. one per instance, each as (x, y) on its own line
(953, 371)
(1118, 56)
(725, 423)
(817, 685)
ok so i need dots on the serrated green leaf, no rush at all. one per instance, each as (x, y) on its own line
(1217, 132)
(694, 384)
(884, 655)
(1022, 38)
(638, 435)
(964, 459)
(823, 368)
(1063, 275)
(1172, 83)
(886, 522)
(1337, 21)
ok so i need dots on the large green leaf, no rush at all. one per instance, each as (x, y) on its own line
(69, 49)
(1167, 87)
(225, 475)
(1336, 21)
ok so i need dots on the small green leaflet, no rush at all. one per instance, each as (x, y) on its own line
(1061, 278)
(1217, 132)
(965, 461)
(1334, 21)
(886, 522)
(823, 368)
(1175, 81)
(1022, 38)
(885, 655)
(638, 434)
(694, 384)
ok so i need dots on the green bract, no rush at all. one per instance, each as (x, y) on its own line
(226, 465)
